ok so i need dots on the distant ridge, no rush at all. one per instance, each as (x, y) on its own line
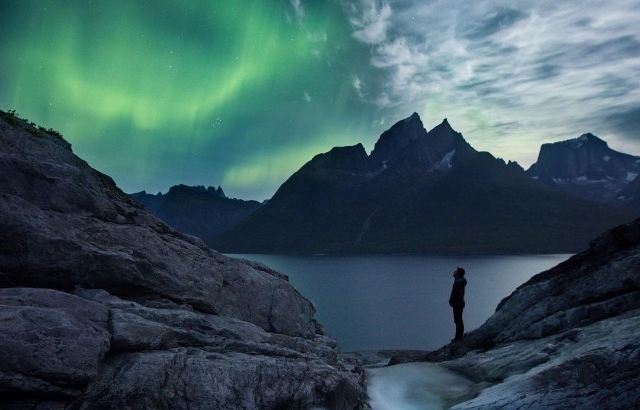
(587, 168)
(418, 192)
(196, 210)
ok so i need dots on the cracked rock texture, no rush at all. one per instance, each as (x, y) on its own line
(104, 306)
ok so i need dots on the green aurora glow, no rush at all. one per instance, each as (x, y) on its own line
(241, 94)
(161, 93)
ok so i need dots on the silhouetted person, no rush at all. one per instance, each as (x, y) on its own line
(456, 301)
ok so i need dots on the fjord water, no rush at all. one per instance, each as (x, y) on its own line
(401, 301)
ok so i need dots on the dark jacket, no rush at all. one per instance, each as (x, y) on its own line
(457, 292)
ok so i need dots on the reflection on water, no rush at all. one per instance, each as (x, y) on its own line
(401, 301)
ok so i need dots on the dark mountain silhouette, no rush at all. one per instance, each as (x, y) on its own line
(418, 191)
(196, 210)
(587, 168)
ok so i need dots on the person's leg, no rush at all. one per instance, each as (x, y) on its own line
(457, 318)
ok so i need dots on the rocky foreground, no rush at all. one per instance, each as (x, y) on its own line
(104, 306)
(567, 339)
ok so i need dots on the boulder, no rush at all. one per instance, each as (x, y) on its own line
(603, 281)
(52, 204)
(104, 306)
(51, 342)
(592, 367)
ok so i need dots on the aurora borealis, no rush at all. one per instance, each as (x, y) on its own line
(241, 94)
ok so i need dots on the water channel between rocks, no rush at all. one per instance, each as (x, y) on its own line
(415, 386)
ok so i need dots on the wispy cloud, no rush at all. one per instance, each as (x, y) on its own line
(358, 86)
(298, 8)
(537, 70)
(372, 22)
(626, 122)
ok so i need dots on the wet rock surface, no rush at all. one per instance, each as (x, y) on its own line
(590, 367)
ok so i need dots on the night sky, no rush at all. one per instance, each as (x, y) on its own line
(242, 93)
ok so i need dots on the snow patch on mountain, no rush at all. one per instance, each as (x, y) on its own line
(578, 142)
(446, 160)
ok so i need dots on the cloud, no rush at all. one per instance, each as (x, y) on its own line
(358, 86)
(383, 100)
(299, 9)
(493, 23)
(398, 53)
(318, 37)
(372, 23)
(536, 70)
(627, 123)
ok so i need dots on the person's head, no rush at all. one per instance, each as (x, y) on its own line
(458, 273)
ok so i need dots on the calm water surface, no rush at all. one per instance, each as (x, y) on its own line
(401, 301)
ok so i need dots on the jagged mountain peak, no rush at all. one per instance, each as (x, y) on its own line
(406, 143)
(585, 167)
(441, 147)
(419, 187)
(412, 118)
(182, 189)
(582, 141)
(445, 126)
(186, 207)
(408, 140)
(396, 139)
(515, 165)
(444, 123)
(588, 150)
(216, 192)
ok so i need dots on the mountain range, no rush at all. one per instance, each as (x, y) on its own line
(203, 212)
(428, 192)
(587, 168)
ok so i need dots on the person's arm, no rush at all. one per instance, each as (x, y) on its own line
(452, 298)
(456, 294)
